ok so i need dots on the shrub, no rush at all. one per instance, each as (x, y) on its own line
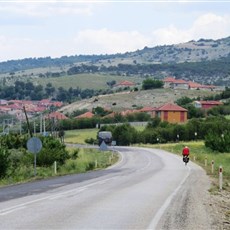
(4, 162)
(220, 143)
(124, 134)
(52, 150)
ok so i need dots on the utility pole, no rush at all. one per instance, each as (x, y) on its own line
(34, 127)
(44, 125)
(27, 121)
(41, 124)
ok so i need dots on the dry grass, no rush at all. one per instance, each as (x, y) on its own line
(132, 100)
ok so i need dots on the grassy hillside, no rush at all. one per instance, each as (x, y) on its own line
(85, 81)
(132, 100)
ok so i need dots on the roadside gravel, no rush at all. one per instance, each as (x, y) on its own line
(195, 207)
(219, 205)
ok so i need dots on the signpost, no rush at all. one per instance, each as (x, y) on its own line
(103, 146)
(34, 145)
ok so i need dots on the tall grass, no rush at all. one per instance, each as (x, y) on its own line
(89, 159)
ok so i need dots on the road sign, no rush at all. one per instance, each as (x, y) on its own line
(114, 143)
(103, 146)
(34, 145)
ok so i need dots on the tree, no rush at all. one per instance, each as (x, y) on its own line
(183, 101)
(124, 134)
(49, 89)
(52, 150)
(152, 84)
(99, 111)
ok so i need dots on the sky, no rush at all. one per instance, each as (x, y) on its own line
(37, 28)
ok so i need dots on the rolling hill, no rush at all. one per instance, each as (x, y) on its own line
(132, 100)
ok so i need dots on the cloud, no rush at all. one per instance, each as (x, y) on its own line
(55, 41)
(44, 9)
(106, 41)
(208, 26)
(211, 26)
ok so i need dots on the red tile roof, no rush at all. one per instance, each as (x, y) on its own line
(210, 102)
(110, 115)
(194, 84)
(147, 109)
(171, 107)
(85, 115)
(180, 81)
(125, 83)
(57, 115)
(169, 79)
(208, 86)
(127, 112)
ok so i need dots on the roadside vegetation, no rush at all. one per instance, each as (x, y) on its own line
(17, 163)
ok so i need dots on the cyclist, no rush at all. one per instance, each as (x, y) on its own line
(185, 153)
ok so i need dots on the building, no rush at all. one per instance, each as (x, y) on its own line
(85, 115)
(172, 113)
(168, 81)
(124, 84)
(149, 110)
(171, 82)
(57, 116)
(206, 104)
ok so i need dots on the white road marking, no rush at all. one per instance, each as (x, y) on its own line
(10, 210)
(51, 197)
(161, 211)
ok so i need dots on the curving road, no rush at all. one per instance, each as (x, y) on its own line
(146, 189)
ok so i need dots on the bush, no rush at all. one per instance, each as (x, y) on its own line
(75, 154)
(4, 162)
(52, 150)
(124, 134)
(220, 143)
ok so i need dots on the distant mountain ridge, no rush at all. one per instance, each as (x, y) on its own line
(192, 51)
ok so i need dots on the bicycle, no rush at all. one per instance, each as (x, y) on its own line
(186, 159)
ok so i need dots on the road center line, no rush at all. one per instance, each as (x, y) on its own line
(53, 196)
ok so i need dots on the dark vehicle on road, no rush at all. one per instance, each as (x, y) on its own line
(105, 136)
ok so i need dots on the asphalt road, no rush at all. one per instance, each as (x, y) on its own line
(146, 189)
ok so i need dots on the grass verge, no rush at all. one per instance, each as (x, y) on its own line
(81, 160)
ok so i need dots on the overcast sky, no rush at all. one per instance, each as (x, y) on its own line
(63, 28)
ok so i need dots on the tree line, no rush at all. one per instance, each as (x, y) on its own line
(28, 91)
(215, 131)
(214, 71)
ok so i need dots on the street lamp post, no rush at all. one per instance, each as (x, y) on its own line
(195, 135)
(178, 137)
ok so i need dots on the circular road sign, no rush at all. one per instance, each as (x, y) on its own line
(34, 145)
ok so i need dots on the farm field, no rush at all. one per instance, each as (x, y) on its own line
(85, 81)
(79, 136)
